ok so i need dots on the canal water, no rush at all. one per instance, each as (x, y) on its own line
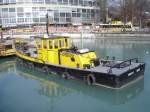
(25, 90)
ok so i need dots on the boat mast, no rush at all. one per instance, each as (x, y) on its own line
(47, 24)
(1, 32)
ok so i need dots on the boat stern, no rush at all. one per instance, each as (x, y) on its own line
(130, 76)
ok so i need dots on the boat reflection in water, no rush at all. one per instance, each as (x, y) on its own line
(7, 65)
(53, 86)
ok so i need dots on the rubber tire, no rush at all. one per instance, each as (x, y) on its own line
(66, 75)
(31, 65)
(45, 69)
(90, 79)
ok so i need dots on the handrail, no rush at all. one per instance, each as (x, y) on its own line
(118, 64)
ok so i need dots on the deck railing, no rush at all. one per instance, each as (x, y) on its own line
(125, 63)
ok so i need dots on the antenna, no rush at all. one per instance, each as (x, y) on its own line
(1, 32)
(47, 24)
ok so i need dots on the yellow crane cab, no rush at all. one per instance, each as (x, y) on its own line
(58, 50)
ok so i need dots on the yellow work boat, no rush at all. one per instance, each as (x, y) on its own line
(6, 48)
(56, 54)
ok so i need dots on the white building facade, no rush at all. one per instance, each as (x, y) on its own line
(33, 12)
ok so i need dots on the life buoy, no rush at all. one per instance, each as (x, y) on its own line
(90, 79)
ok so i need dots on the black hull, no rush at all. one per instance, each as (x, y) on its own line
(3, 57)
(101, 79)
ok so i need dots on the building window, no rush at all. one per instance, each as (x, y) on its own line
(35, 14)
(5, 1)
(35, 19)
(78, 14)
(28, 20)
(74, 14)
(28, 14)
(62, 14)
(75, 2)
(56, 19)
(47, 1)
(20, 14)
(4, 9)
(1, 1)
(40, 1)
(42, 9)
(68, 14)
(12, 1)
(20, 9)
(12, 10)
(35, 9)
(71, 2)
(20, 1)
(60, 1)
(68, 20)
(20, 20)
(42, 19)
(56, 14)
(65, 1)
(84, 10)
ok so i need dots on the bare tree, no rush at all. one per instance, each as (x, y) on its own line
(133, 10)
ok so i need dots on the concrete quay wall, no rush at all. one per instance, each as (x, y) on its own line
(87, 35)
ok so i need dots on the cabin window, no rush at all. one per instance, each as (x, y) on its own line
(56, 44)
(50, 44)
(66, 42)
(78, 66)
(44, 44)
(61, 43)
(8, 47)
(72, 59)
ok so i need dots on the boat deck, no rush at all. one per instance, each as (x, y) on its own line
(116, 71)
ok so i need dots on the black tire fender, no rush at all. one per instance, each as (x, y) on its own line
(45, 69)
(20, 63)
(90, 79)
(66, 75)
(31, 65)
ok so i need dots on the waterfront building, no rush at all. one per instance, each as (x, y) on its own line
(61, 12)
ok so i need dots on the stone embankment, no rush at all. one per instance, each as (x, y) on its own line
(85, 35)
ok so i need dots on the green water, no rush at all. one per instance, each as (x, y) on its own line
(24, 90)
